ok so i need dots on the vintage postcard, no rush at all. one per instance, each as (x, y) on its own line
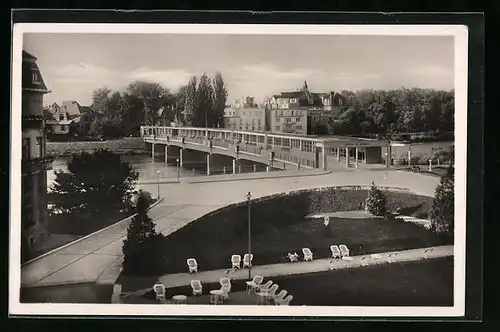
(238, 170)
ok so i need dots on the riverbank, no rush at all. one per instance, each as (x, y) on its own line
(127, 145)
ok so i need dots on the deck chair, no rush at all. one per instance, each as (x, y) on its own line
(247, 261)
(344, 251)
(281, 295)
(335, 251)
(293, 257)
(192, 265)
(308, 255)
(225, 281)
(160, 292)
(235, 261)
(254, 284)
(197, 287)
(286, 300)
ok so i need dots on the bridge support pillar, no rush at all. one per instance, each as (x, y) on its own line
(324, 161)
(409, 156)
(347, 157)
(234, 166)
(208, 164)
(180, 158)
(337, 150)
(152, 152)
(356, 158)
(166, 154)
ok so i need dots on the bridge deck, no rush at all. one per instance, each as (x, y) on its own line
(87, 260)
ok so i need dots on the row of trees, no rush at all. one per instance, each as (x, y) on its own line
(395, 111)
(201, 102)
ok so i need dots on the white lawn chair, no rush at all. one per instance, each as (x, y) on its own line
(225, 289)
(272, 291)
(281, 295)
(344, 251)
(286, 300)
(293, 257)
(160, 292)
(225, 282)
(247, 261)
(308, 255)
(266, 286)
(254, 284)
(197, 287)
(335, 251)
(235, 261)
(192, 265)
(117, 292)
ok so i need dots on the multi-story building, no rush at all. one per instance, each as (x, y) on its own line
(67, 120)
(35, 161)
(245, 115)
(302, 112)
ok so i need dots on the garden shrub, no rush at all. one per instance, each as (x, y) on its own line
(376, 202)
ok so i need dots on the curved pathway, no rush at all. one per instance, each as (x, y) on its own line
(96, 257)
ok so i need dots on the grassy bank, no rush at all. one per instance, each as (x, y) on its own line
(279, 227)
(422, 283)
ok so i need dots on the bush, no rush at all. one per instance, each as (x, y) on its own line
(376, 202)
(442, 212)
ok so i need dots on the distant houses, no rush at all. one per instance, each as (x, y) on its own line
(68, 120)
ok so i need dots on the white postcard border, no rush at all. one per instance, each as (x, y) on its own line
(460, 34)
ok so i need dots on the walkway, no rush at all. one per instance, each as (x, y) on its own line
(98, 255)
(318, 265)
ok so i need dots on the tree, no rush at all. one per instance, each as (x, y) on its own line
(219, 100)
(203, 115)
(190, 101)
(442, 213)
(376, 201)
(152, 97)
(94, 182)
(139, 259)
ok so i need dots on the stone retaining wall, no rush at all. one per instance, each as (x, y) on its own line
(124, 145)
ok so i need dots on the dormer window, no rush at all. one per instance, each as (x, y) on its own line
(61, 117)
(34, 77)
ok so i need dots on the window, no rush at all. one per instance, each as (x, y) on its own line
(63, 128)
(39, 146)
(281, 113)
(288, 120)
(253, 128)
(278, 128)
(61, 117)
(258, 122)
(26, 148)
(34, 77)
(297, 119)
(277, 119)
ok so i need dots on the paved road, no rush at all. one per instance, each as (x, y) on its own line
(96, 256)
(318, 265)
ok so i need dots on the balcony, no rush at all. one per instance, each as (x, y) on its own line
(37, 164)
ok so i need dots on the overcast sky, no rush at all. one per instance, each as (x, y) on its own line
(252, 65)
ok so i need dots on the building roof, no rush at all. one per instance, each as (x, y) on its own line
(31, 77)
(47, 114)
(71, 107)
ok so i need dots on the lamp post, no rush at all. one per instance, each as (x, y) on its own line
(158, 174)
(178, 170)
(387, 163)
(249, 196)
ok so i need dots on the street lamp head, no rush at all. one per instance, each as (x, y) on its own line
(249, 195)
(177, 159)
(158, 171)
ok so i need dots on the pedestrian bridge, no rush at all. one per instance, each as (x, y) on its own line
(276, 150)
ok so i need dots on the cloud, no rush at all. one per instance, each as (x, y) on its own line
(171, 78)
(83, 73)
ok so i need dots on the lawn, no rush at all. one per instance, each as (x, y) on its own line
(422, 283)
(279, 227)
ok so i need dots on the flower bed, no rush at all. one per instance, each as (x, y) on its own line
(279, 226)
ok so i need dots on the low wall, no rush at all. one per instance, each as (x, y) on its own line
(124, 145)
